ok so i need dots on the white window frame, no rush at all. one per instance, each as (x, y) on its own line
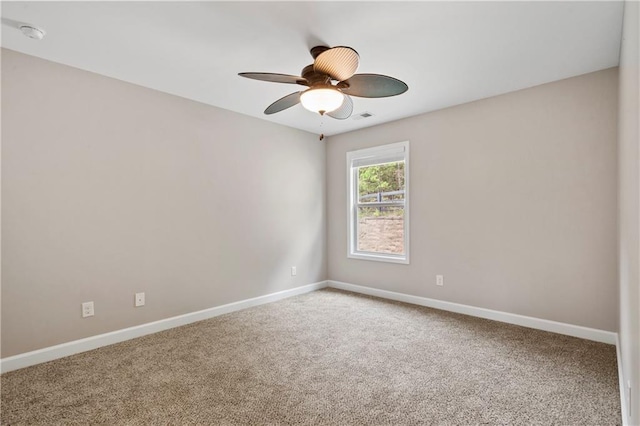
(372, 154)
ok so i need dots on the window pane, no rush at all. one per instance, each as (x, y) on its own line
(379, 197)
(382, 182)
(381, 229)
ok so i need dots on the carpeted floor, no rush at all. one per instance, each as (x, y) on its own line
(328, 357)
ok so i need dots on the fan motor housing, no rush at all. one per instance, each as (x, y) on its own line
(315, 78)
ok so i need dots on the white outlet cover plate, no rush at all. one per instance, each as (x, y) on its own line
(139, 299)
(87, 309)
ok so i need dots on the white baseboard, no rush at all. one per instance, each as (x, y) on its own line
(623, 393)
(94, 342)
(65, 349)
(530, 322)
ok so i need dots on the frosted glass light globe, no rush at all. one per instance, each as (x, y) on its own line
(321, 100)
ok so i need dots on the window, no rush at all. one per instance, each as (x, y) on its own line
(378, 203)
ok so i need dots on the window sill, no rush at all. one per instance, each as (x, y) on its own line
(379, 258)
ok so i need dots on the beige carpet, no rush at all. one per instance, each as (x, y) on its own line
(327, 357)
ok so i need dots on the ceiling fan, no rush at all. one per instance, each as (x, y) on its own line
(331, 81)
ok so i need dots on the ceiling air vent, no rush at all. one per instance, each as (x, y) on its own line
(363, 115)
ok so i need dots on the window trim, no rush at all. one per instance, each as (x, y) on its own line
(352, 205)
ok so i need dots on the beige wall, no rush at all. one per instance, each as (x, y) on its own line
(629, 160)
(110, 189)
(513, 200)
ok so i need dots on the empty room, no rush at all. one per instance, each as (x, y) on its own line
(332, 213)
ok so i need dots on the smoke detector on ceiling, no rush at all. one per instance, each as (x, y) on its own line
(32, 32)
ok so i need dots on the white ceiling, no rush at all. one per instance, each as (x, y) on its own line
(447, 52)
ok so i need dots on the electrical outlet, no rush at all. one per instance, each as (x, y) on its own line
(139, 299)
(294, 272)
(440, 280)
(87, 309)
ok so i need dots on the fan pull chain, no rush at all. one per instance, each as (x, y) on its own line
(321, 124)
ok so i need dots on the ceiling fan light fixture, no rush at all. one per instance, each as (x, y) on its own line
(322, 97)
(321, 100)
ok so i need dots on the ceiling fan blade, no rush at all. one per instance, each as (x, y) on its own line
(372, 86)
(344, 111)
(275, 78)
(283, 103)
(340, 63)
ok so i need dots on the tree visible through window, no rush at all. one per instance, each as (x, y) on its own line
(378, 215)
